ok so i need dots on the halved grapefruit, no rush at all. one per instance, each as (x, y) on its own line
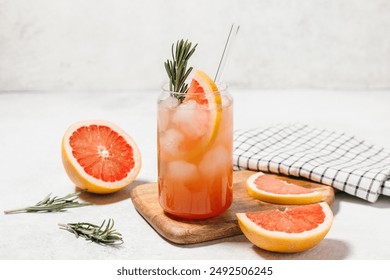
(100, 157)
(288, 230)
(268, 188)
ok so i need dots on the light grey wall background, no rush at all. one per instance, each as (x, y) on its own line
(67, 45)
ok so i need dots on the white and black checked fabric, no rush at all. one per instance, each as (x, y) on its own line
(328, 157)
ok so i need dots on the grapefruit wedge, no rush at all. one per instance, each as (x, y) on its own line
(100, 157)
(268, 188)
(288, 230)
(205, 92)
(196, 121)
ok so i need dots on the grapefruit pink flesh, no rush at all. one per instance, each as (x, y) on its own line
(102, 152)
(196, 92)
(290, 220)
(269, 184)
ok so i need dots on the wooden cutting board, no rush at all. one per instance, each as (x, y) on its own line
(180, 231)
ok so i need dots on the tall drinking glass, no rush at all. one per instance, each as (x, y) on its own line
(195, 141)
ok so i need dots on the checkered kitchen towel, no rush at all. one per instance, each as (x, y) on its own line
(328, 157)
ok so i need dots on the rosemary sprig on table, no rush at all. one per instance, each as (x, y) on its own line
(103, 234)
(52, 204)
(177, 67)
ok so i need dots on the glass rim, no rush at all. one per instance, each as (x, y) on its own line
(222, 87)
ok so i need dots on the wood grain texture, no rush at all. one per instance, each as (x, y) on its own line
(181, 231)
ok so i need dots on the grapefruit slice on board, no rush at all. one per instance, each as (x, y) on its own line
(100, 157)
(288, 230)
(268, 188)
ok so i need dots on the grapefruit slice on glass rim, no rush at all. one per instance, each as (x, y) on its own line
(100, 157)
(203, 102)
(205, 92)
(268, 188)
(292, 229)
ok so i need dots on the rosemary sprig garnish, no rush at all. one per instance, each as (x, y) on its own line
(52, 204)
(177, 67)
(103, 234)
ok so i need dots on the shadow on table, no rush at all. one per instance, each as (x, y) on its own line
(327, 249)
(101, 199)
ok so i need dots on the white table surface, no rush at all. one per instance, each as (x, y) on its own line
(32, 125)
